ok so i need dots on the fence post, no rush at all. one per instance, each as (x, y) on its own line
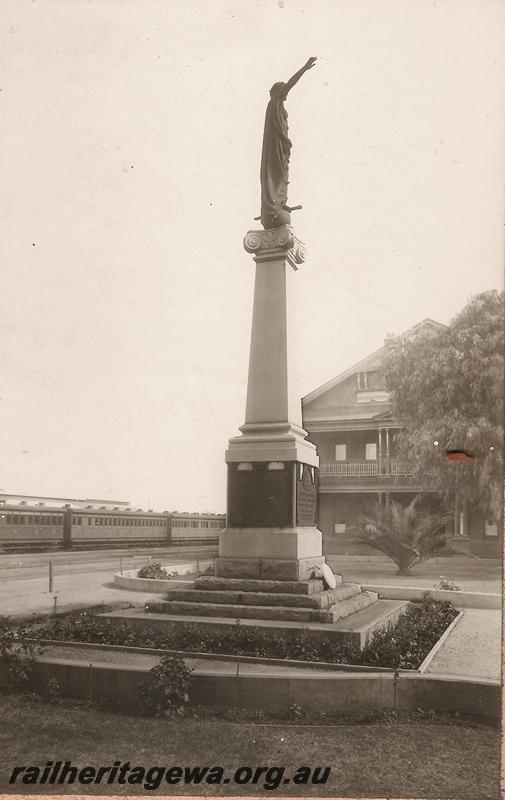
(121, 565)
(50, 576)
(235, 688)
(395, 698)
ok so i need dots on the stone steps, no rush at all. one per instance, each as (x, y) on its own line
(338, 610)
(355, 628)
(352, 606)
(292, 614)
(317, 600)
(209, 582)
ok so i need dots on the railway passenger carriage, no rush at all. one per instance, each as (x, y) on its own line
(32, 527)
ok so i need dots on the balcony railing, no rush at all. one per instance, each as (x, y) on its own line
(363, 469)
(348, 469)
(400, 468)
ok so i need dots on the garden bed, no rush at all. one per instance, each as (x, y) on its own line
(404, 645)
(155, 578)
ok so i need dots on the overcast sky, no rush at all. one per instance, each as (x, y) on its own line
(130, 148)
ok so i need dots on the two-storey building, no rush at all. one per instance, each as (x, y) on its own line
(350, 421)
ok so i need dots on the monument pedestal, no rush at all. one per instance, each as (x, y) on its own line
(271, 526)
(277, 554)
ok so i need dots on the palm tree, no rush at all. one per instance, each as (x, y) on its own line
(404, 534)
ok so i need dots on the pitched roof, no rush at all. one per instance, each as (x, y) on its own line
(362, 366)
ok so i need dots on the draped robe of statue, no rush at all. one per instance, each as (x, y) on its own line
(275, 161)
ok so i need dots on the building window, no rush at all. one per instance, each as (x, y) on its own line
(371, 451)
(361, 381)
(339, 527)
(340, 452)
(491, 529)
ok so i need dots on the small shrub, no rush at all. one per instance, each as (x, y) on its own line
(296, 712)
(86, 626)
(406, 644)
(17, 656)
(445, 585)
(53, 691)
(153, 570)
(168, 693)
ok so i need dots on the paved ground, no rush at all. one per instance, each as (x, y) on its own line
(472, 574)
(473, 648)
(80, 579)
(199, 665)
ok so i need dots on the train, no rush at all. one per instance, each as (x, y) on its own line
(39, 527)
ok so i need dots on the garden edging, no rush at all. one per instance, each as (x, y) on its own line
(460, 599)
(127, 579)
(345, 693)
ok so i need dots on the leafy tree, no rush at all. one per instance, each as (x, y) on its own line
(447, 393)
(403, 533)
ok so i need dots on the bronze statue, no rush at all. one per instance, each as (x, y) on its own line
(275, 154)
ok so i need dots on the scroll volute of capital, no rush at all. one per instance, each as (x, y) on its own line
(281, 238)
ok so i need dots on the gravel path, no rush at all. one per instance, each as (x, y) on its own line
(124, 658)
(473, 648)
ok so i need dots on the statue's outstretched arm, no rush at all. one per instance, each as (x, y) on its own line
(296, 77)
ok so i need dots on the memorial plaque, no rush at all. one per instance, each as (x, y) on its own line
(306, 496)
(259, 496)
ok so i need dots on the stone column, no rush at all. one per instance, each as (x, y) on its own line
(461, 536)
(271, 520)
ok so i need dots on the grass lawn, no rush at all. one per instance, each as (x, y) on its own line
(401, 758)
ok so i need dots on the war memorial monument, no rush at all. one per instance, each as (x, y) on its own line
(270, 564)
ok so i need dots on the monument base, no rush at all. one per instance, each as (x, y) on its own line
(270, 569)
(270, 553)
